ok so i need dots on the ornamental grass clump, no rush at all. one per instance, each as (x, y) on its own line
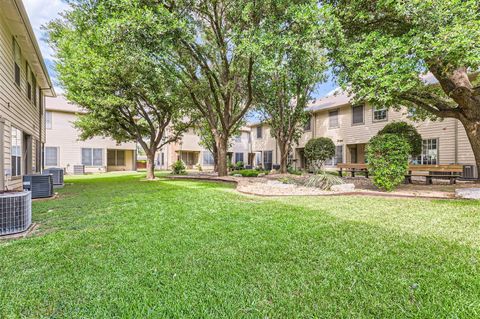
(323, 180)
(387, 157)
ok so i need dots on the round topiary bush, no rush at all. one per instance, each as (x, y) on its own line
(387, 157)
(318, 150)
(408, 131)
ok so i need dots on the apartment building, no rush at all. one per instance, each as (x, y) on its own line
(193, 154)
(351, 127)
(24, 82)
(64, 149)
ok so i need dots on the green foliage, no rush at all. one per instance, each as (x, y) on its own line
(382, 50)
(294, 171)
(178, 168)
(323, 181)
(247, 172)
(408, 131)
(318, 150)
(208, 246)
(239, 165)
(289, 69)
(107, 69)
(387, 157)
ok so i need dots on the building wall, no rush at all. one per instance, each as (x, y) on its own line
(65, 137)
(16, 110)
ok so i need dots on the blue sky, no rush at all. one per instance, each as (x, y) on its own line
(41, 12)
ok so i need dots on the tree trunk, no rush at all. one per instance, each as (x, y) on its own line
(283, 147)
(215, 158)
(150, 165)
(222, 156)
(472, 128)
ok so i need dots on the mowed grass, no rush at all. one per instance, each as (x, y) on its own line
(117, 246)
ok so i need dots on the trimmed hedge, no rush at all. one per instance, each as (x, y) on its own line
(387, 157)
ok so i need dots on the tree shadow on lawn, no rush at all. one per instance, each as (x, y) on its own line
(170, 250)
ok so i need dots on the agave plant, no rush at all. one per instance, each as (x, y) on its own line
(323, 181)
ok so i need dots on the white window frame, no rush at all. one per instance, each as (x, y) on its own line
(48, 120)
(57, 156)
(91, 156)
(259, 129)
(16, 150)
(330, 126)
(374, 111)
(363, 115)
(207, 158)
(423, 158)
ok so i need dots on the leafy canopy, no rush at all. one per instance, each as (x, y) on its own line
(407, 131)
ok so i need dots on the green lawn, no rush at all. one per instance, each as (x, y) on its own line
(117, 246)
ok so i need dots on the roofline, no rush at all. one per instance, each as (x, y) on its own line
(26, 21)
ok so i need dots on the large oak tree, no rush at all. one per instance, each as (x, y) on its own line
(292, 68)
(122, 87)
(385, 51)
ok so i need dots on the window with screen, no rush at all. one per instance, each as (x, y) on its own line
(92, 156)
(379, 115)
(17, 61)
(51, 156)
(29, 81)
(16, 152)
(48, 120)
(208, 158)
(333, 119)
(116, 157)
(238, 157)
(357, 114)
(259, 132)
(429, 154)
(308, 124)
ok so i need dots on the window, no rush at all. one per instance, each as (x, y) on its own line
(338, 158)
(379, 115)
(51, 156)
(16, 150)
(333, 119)
(357, 115)
(48, 120)
(308, 124)
(17, 56)
(429, 154)
(258, 158)
(34, 93)
(259, 132)
(28, 75)
(92, 156)
(238, 157)
(208, 158)
(267, 159)
(116, 157)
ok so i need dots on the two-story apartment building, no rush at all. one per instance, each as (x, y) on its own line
(352, 126)
(24, 82)
(193, 154)
(64, 149)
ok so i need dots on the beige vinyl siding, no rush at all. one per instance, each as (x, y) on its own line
(15, 108)
(65, 137)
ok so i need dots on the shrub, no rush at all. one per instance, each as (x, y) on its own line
(409, 132)
(387, 157)
(294, 171)
(248, 172)
(178, 168)
(239, 165)
(323, 181)
(318, 150)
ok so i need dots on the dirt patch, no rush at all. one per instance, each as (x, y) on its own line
(275, 185)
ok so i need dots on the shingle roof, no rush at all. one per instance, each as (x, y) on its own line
(335, 100)
(60, 103)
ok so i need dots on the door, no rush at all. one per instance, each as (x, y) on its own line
(27, 151)
(353, 154)
(267, 160)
